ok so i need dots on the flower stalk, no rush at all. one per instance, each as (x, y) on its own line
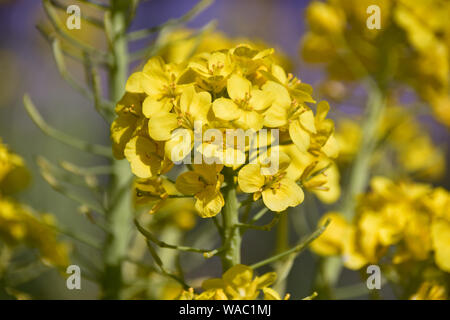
(360, 170)
(119, 214)
(231, 234)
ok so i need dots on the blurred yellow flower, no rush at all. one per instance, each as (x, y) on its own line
(430, 291)
(412, 217)
(403, 137)
(418, 48)
(14, 176)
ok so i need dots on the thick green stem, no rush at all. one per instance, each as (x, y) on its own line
(358, 181)
(119, 214)
(282, 267)
(231, 234)
(360, 170)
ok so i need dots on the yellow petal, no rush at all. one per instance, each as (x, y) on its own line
(440, 233)
(208, 171)
(279, 94)
(226, 109)
(209, 202)
(250, 178)
(299, 136)
(189, 183)
(140, 152)
(152, 107)
(260, 100)
(238, 276)
(160, 127)
(238, 87)
(322, 110)
(331, 147)
(284, 194)
(154, 84)
(307, 121)
(134, 83)
(334, 189)
(186, 98)
(122, 130)
(200, 106)
(250, 120)
(275, 116)
(279, 73)
(154, 65)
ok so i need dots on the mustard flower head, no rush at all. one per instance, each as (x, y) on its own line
(228, 109)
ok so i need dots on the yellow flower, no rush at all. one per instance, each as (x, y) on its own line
(213, 69)
(237, 283)
(319, 175)
(168, 106)
(245, 105)
(193, 109)
(154, 191)
(128, 123)
(332, 240)
(404, 137)
(440, 233)
(278, 190)
(411, 218)
(339, 36)
(18, 225)
(159, 81)
(204, 183)
(14, 176)
(324, 18)
(146, 157)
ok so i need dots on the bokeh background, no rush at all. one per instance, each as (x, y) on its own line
(27, 65)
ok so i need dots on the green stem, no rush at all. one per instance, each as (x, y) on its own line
(282, 267)
(119, 214)
(358, 179)
(231, 234)
(360, 170)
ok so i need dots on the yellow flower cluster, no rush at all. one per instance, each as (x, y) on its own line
(211, 99)
(181, 44)
(412, 45)
(410, 217)
(237, 283)
(404, 137)
(18, 225)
